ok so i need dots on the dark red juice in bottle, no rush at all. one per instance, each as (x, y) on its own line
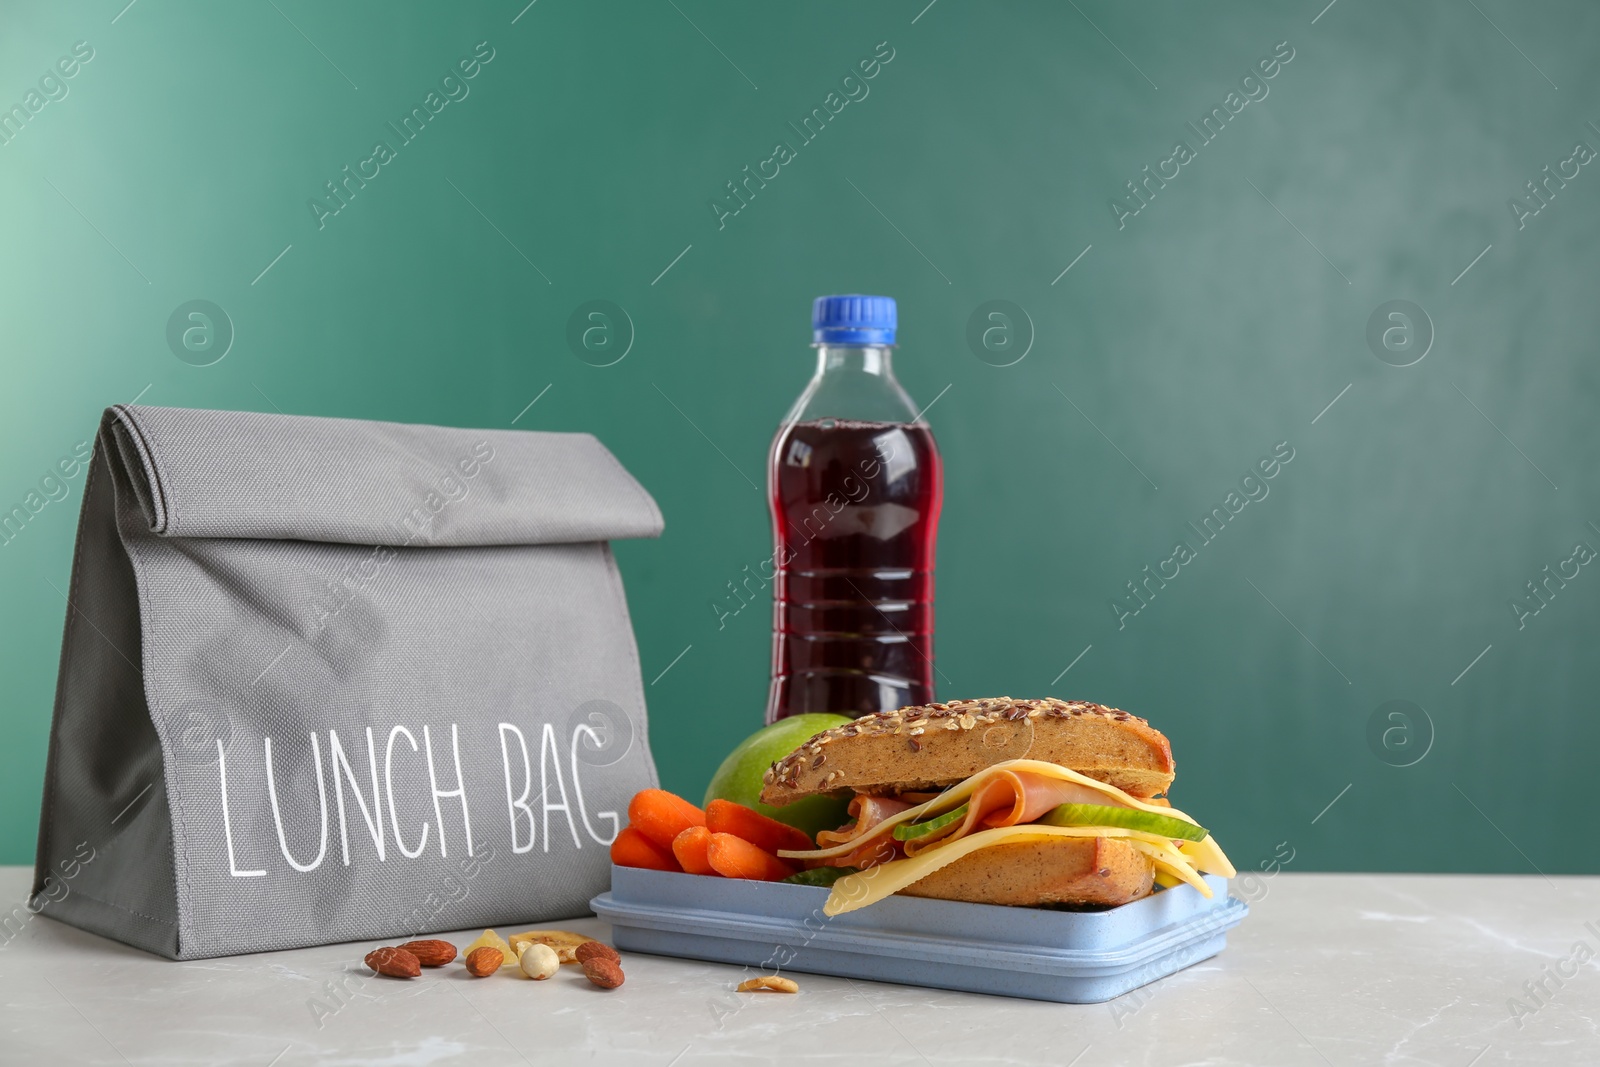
(856, 486)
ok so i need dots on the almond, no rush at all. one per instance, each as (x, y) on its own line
(432, 952)
(394, 962)
(607, 974)
(482, 962)
(596, 950)
(490, 939)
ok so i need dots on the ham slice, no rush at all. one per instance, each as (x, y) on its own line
(1007, 799)
(869, 811)
(998, 797)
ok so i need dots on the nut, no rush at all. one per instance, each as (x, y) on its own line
(482, 962)
(394, 962)
(596, 949)
(432, 952)
(490, 939)
(538, 961)
(769, 983)
(607, 974)
(565, 942)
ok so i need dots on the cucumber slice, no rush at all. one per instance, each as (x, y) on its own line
(824, 876)
(908, 831)
(1127, 818)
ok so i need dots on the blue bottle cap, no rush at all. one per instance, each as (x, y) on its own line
(853, 320)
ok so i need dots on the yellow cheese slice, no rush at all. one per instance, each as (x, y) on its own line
(1166, 858)
(1207, 856)
(953, 796)
(855, 891)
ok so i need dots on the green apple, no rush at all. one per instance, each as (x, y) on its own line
(739, 777)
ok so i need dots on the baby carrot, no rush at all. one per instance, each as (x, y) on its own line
(726, 817)
(633, 849)
(734, 857)
(690, 849)
(661, 816)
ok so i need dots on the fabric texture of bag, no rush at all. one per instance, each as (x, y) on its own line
(329, 680)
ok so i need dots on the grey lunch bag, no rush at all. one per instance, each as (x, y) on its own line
(327, 680)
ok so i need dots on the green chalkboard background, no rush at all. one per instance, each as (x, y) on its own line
(1184, 344)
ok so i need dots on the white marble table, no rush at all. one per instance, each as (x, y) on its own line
(1327, 969)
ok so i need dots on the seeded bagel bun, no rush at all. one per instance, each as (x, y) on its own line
(1075, 871)
(936, 745)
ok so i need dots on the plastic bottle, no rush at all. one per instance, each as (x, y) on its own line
(855, 483)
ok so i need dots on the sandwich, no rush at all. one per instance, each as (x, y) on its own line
(1019, 802)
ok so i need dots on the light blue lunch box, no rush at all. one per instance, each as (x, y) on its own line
(1071, 957)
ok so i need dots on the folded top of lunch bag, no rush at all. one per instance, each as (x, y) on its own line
(250, 475)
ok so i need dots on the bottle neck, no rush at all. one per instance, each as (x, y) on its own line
(855, 359)
(854, 382)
